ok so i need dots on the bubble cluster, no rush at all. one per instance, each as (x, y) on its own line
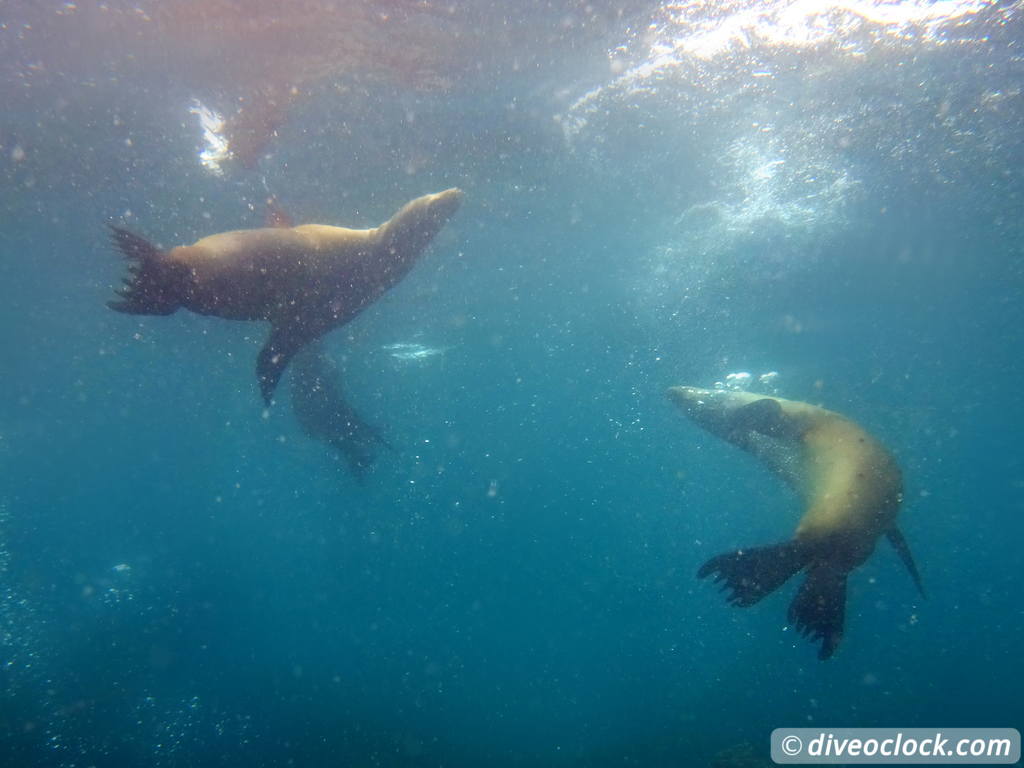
(772, 126)
(742, 381)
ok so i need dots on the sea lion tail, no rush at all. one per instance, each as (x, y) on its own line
(819, 608)
(751, 574)
(153, 286)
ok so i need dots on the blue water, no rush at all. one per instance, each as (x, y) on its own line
(188, 580)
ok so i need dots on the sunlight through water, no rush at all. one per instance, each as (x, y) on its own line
(754, 123)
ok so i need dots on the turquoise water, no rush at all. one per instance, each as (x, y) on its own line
(653, 197)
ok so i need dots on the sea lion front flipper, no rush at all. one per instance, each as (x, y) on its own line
(751, 574)
(899, 543)
(284, 341)
(819, 608)
(763, 416)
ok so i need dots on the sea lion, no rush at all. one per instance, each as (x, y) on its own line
(850, 483)
(323, 412)
(305, 280)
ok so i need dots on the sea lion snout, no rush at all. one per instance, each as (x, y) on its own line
(711, 409)
(438, 208)
(445, 204)
(433, 211)
(687, 398)
(410, 230)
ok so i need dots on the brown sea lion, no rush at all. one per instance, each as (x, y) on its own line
(850, 483)
(305, 280)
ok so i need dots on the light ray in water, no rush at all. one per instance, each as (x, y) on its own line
(216, 148)
(749, 116)
(409, 352)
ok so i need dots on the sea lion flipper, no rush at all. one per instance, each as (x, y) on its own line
(282, 344)
(764, 416)
(899, 543)
(751, 574)
(358, 448)
(819, 608)
(154, 286)
(324, 413)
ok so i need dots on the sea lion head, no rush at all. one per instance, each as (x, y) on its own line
(736, 416)
(711, 409)
(411, 229)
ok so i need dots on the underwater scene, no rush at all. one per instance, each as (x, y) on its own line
(429, 383)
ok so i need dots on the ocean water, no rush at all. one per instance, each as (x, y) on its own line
(655, 195)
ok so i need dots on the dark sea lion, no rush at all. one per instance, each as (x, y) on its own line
(850, 483)
(305, 280)
(324, 413)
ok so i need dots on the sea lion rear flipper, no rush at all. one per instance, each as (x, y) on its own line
(899, 543)
(358, 448)
(324, 413)
(819, 608)
(358, 444)
(751, 574)
(153, 286)
(281, 346)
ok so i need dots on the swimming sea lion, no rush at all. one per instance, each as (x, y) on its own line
(850, 483)
(305, 280)
(323, 412)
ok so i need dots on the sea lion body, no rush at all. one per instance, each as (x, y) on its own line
(854, 485)
(259, 274)
(851, 487)
(304, 280)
